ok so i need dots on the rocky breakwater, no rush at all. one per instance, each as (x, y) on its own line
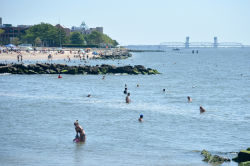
(243, 157)
(213, 159)
(45, 68)
(114, 54)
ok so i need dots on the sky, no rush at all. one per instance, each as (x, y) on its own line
(140, 21)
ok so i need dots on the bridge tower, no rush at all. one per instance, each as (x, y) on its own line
(187, 42)
(215, 42)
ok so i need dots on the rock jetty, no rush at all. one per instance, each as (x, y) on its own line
(46, 68)
(114, 54)
(213, 159)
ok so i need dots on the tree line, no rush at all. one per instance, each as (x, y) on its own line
(45, 34)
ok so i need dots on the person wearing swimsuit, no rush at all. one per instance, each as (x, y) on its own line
(80, 130)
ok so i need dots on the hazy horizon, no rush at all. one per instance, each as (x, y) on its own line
(140, 22)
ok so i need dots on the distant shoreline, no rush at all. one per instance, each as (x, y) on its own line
(131, 50)
(65, 54)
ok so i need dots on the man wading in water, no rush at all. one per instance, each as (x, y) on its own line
(128, 99)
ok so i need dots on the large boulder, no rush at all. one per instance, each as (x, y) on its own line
(243, 155)
(247, 163)
(104, 69)
(218, 159)
(140, 68)
(125, 69)
(4, 69)
(20, 66)
(32, 72)
(73, 70)
(43, 65)
(94, 70)
(152, 71)
(206, 155)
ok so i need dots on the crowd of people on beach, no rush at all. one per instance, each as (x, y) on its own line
(43, 53)
(49, 53)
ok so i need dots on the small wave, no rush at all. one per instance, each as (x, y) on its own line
(120, 74)
(4, 74)
(17, 95)
(247, 117)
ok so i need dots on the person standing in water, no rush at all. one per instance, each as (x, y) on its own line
(128, 99)
(125, 91)
(189, 99)
(202, 110)
(141, 118)
(59, 76)
(80, 130)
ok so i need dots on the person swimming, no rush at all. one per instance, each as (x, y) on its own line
(202, 110)
(89, 95)
(164, 90)
(141, 118)
(79, 130)
(125, 91)
(128, 99)
(59, 76)
(189, 99)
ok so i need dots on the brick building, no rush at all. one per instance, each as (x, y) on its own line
(10, 32)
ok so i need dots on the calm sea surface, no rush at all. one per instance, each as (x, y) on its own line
(37, 112)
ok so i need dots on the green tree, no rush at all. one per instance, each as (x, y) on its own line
(48, 34)
(94, 38)
(109, 41)
(16, 41)
(38, 41)
(77, 38)
(1, 31)
(98, 38)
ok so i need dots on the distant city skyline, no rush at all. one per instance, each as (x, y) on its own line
(140, 22)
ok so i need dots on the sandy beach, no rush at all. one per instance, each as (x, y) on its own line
(43, 55)
(64, 54)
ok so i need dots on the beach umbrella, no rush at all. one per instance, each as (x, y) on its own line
(29, 48)
(81, 50)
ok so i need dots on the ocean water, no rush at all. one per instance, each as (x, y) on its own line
(37, 112)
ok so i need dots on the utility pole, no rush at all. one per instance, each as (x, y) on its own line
(60, 40)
